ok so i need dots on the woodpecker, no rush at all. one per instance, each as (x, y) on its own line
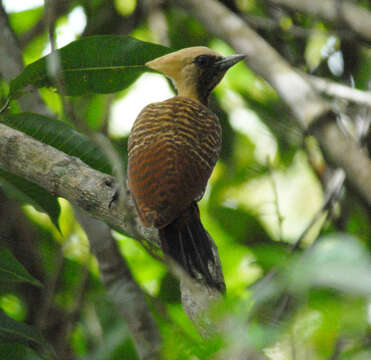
(173, 147)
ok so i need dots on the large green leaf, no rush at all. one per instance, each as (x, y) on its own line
(26, 192)
(61, 136)
(14, 331)
(11, 270)
(96, 64)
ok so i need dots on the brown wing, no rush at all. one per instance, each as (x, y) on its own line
(173, 148)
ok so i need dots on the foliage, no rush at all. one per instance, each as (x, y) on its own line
(84, 68)
(312, 301)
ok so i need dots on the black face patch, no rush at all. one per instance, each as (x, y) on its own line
(209, 75)
(204, 61)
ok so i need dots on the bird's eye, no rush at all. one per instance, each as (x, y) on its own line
(202, 60)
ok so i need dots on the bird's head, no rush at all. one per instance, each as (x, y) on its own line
(195, 71)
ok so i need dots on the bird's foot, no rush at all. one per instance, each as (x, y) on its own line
(115, 197)
(116, 192)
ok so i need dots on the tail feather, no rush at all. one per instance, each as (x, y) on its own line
(200, 261)
(188, 243)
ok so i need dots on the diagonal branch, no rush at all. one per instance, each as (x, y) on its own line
(346, 13)
(306, 104)
(58, 177)
(68, 177)
(334, 89)
(84, 187)
(121, 287)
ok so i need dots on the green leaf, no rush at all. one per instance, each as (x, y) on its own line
(96, 64)
(61, 136)
(11, 270)
(14, 331)
(26, 192)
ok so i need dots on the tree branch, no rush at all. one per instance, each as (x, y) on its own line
(358, 19)
(144, 331)
(307, 106)
(334, 89)
(70, 178)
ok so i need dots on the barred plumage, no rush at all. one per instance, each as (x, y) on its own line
(171, 158)
(173, 148)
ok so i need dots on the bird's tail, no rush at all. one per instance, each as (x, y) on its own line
(188, 243)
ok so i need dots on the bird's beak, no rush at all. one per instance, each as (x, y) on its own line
(228, 61)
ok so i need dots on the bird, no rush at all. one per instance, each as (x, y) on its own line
(173, 147)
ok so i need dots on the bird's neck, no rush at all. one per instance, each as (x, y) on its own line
(194, 93)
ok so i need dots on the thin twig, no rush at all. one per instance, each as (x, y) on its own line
(320, 213)
(332, 194)
(280, 218)
(334, 89)
(334, 190)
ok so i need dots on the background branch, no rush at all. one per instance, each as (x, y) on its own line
(61, 8)
(334, 89)
(345, 13)
(304, 102)
(11, 64)
(121, 287)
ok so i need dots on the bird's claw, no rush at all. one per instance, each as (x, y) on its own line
(114, 198)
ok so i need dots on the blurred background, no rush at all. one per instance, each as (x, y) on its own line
(271, 188)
